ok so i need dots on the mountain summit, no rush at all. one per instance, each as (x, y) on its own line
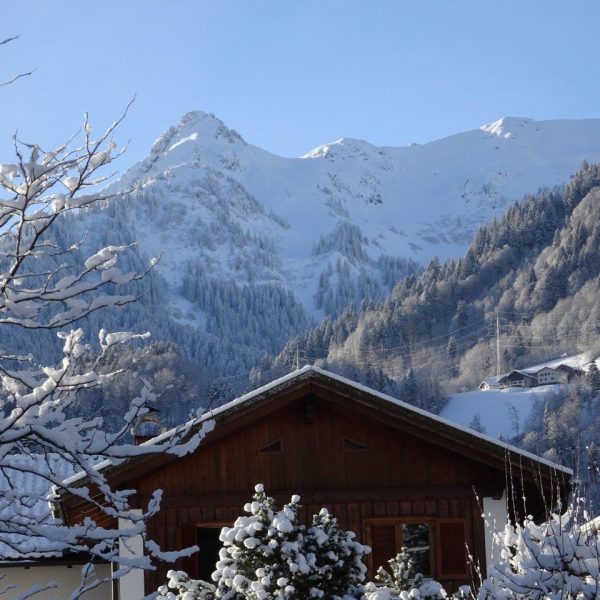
(287, 240)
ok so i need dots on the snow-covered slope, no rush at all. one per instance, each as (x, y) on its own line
(207, 195)
(499, 413)
(505, 412)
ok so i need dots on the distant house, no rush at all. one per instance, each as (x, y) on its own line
(28, 560)
(393, 473)
(490, 383)
(546, 376)
(517, 379)
(568, 374)
(549, 373)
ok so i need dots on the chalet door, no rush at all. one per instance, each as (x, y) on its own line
(208, 555)
(201, 564)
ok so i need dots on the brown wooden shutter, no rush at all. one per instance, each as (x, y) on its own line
(383, 545)
(451, 549)
(188, 535)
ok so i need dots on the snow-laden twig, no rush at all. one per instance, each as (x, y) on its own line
(41, 436)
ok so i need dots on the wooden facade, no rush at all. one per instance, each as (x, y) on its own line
(384, 469)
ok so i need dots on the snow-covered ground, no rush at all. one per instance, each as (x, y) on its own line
(496, 409)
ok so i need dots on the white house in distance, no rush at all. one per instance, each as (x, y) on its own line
(563, 370)
(490, 383)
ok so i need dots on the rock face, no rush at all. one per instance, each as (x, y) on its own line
(254, 246)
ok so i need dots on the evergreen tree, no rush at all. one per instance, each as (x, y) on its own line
(269, 555)
(476, 424)
(593, 376)
(340, 570)
(402, 583)
(451, 351)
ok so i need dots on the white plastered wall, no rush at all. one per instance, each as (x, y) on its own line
(131, 586)
(495, 515)
(66, 577)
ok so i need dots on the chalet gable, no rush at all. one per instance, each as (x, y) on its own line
(310, 385)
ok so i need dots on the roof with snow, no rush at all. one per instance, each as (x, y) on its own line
(455, 435)
(492, 381)
(25, 486)
(518, 374)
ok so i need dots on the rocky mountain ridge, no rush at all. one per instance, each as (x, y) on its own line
(256, 247)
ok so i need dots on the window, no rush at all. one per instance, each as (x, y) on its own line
(275, 447)
(388, 536)
(350, 445)
(438, 547)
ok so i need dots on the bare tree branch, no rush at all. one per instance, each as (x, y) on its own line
(16, 77)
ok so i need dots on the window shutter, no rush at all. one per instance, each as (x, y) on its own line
(188, 537)
(452, 553)
(383, 545)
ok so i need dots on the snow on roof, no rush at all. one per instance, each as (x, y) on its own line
(24, 490)
(518, 372)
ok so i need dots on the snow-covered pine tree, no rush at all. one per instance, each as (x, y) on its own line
(402, 583)
(340, 570)
(270, 555)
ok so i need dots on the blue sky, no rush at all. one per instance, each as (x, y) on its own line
(290, 75)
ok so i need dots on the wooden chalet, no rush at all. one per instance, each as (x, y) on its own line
(394, 474)
(543, 374)
(517, 379)
(568, 374)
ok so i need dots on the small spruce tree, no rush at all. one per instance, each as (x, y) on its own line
(402, 583)
(269, 555)
(339, 567)
(593, 376)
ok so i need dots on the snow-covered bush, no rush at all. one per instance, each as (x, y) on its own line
(185, 588)
(559, 559)
(401, 582)
(340, 570)
(269, 555)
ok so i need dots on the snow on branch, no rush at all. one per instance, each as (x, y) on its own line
(49, 449)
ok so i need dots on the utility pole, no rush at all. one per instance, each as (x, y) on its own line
(498, 355)
(297, 356)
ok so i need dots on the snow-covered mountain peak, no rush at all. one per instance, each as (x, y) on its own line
(196, 127)
(335, 226)
(507, 126)
(343, 148)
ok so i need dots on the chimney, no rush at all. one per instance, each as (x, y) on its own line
(146, 427)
